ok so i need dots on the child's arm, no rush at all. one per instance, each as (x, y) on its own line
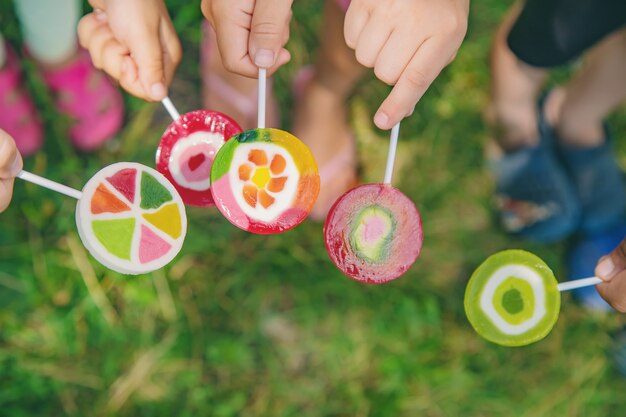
(407, 42)
(133, 41)
(251, 34)
(612, 269)
(10, 166)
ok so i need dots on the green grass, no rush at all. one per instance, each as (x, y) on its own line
(251, 325)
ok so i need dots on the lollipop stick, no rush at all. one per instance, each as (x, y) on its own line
(262, 92)
(391, 154)
(578, 283)
(171, 109)
(51, 185)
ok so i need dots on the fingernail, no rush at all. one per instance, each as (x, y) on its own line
(16, 167)
(264, 58)
(381, 119)
(158, 91)
(605, 267)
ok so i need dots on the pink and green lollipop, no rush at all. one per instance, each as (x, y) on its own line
(373, 233)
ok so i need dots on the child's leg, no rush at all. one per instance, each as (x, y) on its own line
(83, 93)
(49, 28)
(594, 93)
(515, 88)
(321, 119)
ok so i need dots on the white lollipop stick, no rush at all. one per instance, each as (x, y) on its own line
(171, 109)
(578, 283)
(391, 154)
(51, 185)
(262, 93)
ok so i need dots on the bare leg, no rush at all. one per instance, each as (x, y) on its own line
(321, 119)
(514, 90)
(594, 93)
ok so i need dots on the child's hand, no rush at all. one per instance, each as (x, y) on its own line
(134, 42)
(407, 42)
(612, 269)
(10, 166)
(251, 34)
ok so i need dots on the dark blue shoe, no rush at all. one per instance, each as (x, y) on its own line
(599, 185)
(583, 258)
(535, 196)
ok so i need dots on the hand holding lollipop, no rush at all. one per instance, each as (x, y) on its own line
(513, 298)
(373, 232)
(129, 217)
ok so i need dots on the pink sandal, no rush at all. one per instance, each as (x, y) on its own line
(18, 115)
(346, 158)
(245, 104)
(89, 97)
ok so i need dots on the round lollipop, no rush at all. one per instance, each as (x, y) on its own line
(129, 217)
(513, 298)
(373, 233)
(264, 180)
(187, 149)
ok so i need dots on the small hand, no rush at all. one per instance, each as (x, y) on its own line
(10, 166)
(134, 42)
(612, 269)
(408, 43)
(251, 34)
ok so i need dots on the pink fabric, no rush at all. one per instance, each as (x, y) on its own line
(89, 97)
(18, 116)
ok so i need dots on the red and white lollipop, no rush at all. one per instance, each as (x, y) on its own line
(187, 149)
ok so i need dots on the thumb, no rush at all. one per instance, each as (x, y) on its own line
(270, 23)
(147, 52)
(613, 263)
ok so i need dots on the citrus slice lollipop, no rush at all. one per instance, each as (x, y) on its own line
(264, 181)
(373, 233)
(131, 219)
(512, 298)
(187, 149)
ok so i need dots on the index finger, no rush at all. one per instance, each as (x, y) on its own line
(421, 71)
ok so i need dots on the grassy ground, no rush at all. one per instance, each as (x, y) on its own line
(265, 325)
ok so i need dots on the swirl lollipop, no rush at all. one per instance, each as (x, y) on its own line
(129, 217)
(513, 298)
(264, 180)
(187, 149)
(373, 233)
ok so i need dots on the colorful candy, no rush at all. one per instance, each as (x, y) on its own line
(512, 298)
(131, 219)
(187, 149)
(264, 181)
(373, 233)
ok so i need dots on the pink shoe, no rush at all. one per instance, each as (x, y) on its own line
(88, 96)
(18, 115)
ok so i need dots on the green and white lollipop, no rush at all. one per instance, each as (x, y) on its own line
(513, 298)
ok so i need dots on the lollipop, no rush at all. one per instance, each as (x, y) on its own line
(373, 232)
(513, 298)
(264, 180)
(129, 217)
(187, 149)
